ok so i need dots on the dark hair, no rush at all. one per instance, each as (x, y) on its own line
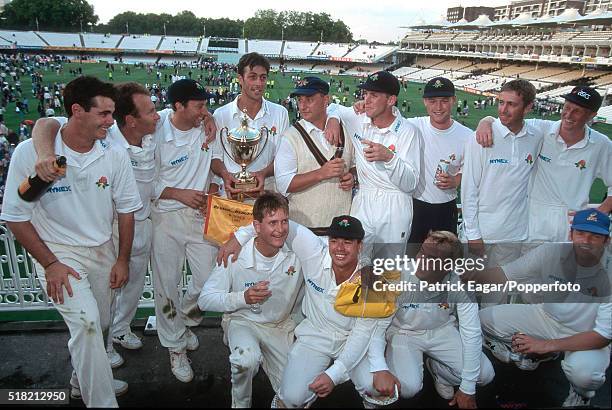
(523, 88)
(83, 90)
(268, 203)
(124, 105)
(251, 60)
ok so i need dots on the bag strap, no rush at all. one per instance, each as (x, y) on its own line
(314, 150)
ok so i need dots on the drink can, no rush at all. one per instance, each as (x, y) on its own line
(442, 168)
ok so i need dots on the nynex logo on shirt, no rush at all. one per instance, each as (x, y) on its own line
(498, 161)
(56, 189)
(179, 160)
(315, 286)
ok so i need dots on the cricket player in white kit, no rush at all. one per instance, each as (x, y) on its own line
(68, 231)
(257, 293)
(580, 327)
(388, 151)
(444, 325)
(136, 119)
(329, 345)
(183, 163)
(495, 180)
(573, 155)
(253, 69)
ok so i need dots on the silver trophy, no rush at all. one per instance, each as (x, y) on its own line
(244, 148)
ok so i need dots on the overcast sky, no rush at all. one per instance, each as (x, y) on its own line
(374, 20)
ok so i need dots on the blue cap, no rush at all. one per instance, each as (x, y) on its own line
(382, 81)
(186, 89)
(592, 220)
(310, 86)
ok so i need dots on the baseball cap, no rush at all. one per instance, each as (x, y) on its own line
(346, 227)
(439, 87)
(592, 220)
(585, 97)
(185, 90)
(382, 81)
(310, 86)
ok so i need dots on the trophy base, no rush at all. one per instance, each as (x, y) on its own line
(245, 186)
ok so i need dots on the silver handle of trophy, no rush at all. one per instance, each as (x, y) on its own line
(259, 151)
(222, 138)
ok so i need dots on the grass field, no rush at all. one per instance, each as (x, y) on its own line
(282, 88)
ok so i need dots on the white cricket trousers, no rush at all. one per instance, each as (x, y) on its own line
(386, 217)
(310, 355)
(548, 222)
(178, 235)
(404, 355)
(251, 345)
(87, 315)
(129, 296)
(585, 370)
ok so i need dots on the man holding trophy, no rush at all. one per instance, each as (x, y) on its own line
(248, 114)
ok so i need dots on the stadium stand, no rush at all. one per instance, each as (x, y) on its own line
(545, 72)
(404, 71)
(428, 62)
(298, 49)
(604, 80)
(592, 36)
(92, 40)
(513, 70)
(22, 38)
(369, 53)
(363, 70)
(454, 65)
(332, 49)
(140, 42)
(265, 47)
(483, 66)
(557, 92)
(62, 39)
(171, 60)
(442, 37)
(180, 44)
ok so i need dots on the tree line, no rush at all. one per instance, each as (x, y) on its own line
(79, 15)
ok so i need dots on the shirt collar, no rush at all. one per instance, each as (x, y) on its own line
(247, 255)
(170, 130)
(98, 150)
(395, 126)
(117, 136)
(309, 127)
(504, 131)
(580, 144)
(263, 111)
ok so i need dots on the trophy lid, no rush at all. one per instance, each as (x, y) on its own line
(244, 133)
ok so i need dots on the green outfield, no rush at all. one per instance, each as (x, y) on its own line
(281, 89)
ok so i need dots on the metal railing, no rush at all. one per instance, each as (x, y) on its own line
(20, 289)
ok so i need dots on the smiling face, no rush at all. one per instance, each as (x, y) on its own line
(253, 82)
(589, 247)
(575, 117)
(273, 229)
(439, 110)
(192, 112)
(98, 119)
(344, 253)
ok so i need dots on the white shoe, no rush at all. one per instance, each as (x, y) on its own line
(446, 391)
(119, 386)
(192, 340)
(128, 341)
(114, 358)
(532, 363)
(180, 366)
(575, 400)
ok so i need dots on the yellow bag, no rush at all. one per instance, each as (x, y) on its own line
(224, 217)
(355, 300)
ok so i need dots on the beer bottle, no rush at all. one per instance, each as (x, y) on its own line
(33, 187)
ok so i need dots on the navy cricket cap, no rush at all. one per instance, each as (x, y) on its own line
(585, 97)
(592, 220)
(185, 90)
(439, 87)
(310, 86)
(346, 227)
(382, 81)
